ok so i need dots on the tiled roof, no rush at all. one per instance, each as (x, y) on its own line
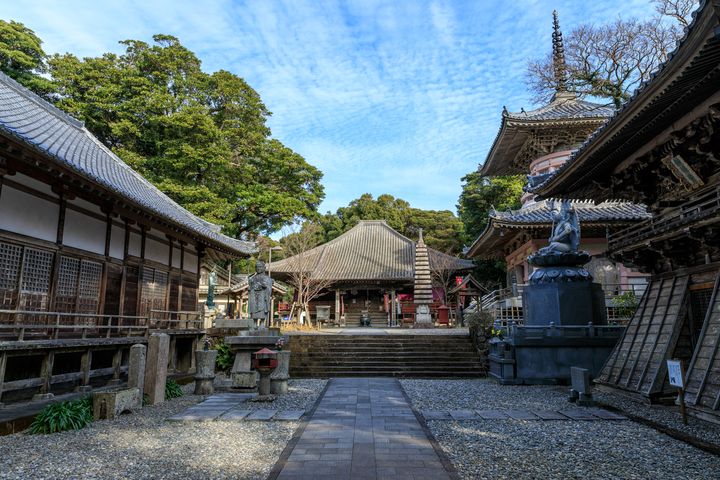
(243, 285)
(588, 212)
(563, 114)
(64, 140)
(538, 215)
(369, 251)
(564, 106)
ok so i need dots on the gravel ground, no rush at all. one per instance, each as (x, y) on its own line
(483, 394)
(144, 445)
(562, 449)
(668, 416)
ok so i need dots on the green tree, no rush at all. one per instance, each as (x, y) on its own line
(22, 57)
(441, 229)
(201, 138)
(480, 194)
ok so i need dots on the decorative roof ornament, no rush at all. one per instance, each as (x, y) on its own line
(559, 67)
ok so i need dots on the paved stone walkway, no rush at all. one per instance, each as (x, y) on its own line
(363, 429)
(232, 407)
(585, 414)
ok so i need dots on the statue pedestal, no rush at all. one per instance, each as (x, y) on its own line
(243, 346)
(281, 375)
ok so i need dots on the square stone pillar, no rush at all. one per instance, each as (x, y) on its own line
(136, 367)
(156, 367)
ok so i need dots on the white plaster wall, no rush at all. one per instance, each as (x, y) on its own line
(134, 244)
(176, 256)
(84, 232)
(117, 242)
(28, 215)
(86, 205)
(190, 262)
(32, 183)
(156, 251)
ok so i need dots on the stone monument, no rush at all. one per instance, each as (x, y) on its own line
(561, 291)
(260, 295)
(422, 292)
(564, 314)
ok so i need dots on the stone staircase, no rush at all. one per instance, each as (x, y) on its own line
(403, 356)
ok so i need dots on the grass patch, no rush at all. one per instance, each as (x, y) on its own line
(172, 389)
(58, 417)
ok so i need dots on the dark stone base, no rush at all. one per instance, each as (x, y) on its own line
(568, 303)
(547, 360)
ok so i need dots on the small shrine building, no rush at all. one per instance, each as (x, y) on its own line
(371, 270)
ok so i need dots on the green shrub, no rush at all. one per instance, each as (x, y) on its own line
(480, 324)
(172, 389)
(58, 417)
(626, 304)
(225, 359)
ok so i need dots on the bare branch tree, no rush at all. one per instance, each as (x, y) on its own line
(442, 269)
(301, 264)
(611, 61)
(678, 10)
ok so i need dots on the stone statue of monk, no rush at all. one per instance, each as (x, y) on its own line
(259, 295)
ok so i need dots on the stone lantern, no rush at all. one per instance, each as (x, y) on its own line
(264, 361)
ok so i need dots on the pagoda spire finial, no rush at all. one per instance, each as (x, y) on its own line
(559, 68)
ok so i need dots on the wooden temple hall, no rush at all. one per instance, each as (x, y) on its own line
(370, 271)
(93, 258)
(662, 149)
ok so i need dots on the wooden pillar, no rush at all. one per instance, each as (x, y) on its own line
(193, 367)
(337, 306)
(173, 354)
(46, 377)
(117, 363)
(393, 308)
(85, 364)
(3, 366)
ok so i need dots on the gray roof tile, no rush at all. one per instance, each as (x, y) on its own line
(63, 139)
(565, 106)
(588, 212)
(371, 250)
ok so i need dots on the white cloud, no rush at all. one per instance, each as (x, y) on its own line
(384, 96)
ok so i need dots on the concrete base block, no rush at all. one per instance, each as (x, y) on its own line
(205, 371)
(244, 379)
(278, 386)
(108, 405)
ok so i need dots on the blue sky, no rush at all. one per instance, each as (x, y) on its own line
(401, 97)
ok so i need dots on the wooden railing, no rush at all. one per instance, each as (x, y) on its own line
(22, 325)
(705, 205)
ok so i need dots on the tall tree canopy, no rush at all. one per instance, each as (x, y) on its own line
(201, 138)
(22, 57)
(480, 194)
(441, 229)
(610, 61)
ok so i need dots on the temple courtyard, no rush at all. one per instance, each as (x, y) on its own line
(372, 428)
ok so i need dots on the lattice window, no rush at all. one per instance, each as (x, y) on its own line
(10, 259)
(66, 292)
(36, 270)
(154, 289)
(89, 287)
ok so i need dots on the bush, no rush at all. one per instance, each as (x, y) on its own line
(225, 359)
(172, 389)
(480, 324)
(58, 417)
(626, 304)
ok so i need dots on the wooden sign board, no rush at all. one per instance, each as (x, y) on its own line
(675, 372)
